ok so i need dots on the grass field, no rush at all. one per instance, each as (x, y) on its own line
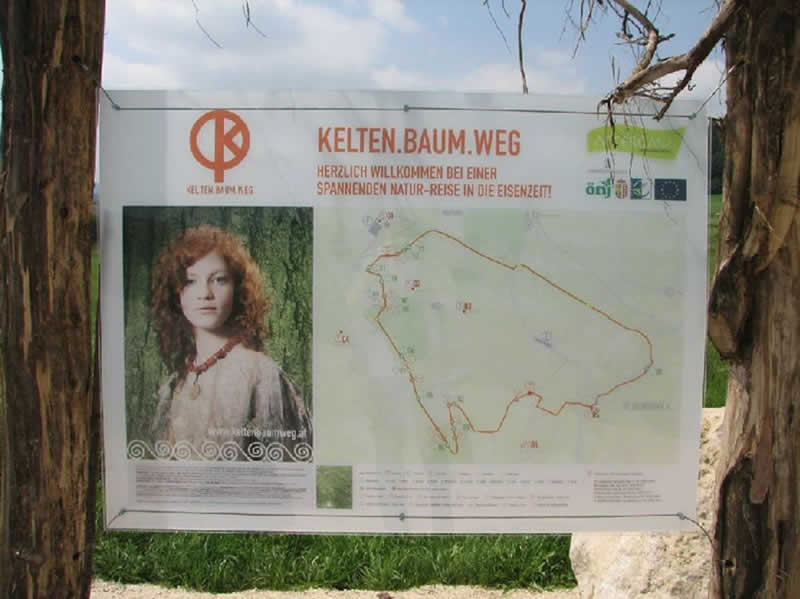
(225, 563)
(230, 562)
(716, 369)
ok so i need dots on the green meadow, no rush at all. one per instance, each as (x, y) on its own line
(231, 562)
(716, 369)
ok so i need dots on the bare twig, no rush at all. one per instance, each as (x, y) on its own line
(641, 80)
(505, 10)
(585, 20)
(200, 25)
(649, 28)
(248, 21)
(488, 6)
(722, 81)
(519, 46)
(629, 39)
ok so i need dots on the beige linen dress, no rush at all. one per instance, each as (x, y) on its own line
(243, 407)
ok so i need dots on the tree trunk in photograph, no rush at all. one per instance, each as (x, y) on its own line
(48, 418)
(754, 311)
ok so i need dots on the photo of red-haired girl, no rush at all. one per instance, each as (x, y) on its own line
(222, 397)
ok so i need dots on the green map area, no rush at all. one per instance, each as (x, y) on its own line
(496, 336)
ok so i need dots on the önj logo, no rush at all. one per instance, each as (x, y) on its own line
(231, 141)
(599, 188)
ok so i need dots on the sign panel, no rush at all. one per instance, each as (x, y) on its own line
(400, 312)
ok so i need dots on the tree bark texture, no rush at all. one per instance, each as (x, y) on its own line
(754, 311)
(48, 420)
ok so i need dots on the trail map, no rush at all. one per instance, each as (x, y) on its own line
(497, 333)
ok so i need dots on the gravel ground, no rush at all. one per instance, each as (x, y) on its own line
(112, 590)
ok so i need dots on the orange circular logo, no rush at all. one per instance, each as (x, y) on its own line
(224, 139)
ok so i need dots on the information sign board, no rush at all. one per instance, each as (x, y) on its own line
(400, 312)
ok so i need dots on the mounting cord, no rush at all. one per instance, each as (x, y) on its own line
(716, 89)
(85, 68)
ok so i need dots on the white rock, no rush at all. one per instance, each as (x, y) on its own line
(654, 565)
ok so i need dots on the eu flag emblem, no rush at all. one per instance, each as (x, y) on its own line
(670, 190)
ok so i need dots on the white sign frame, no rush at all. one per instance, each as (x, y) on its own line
(541, 163)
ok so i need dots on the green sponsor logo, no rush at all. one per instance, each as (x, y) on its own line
(653, 143)
(601, 189)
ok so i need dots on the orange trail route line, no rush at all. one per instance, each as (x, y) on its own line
(453, 445)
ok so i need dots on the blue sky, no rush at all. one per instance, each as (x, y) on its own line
(378, 44)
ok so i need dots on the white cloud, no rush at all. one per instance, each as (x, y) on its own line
(122, 74)
(393, 78)
(393, 13)
(308, 44)
(492, 77)
(328, 40)
(553, 58)
(158, 9)
(483, 78)
(154, 44)
(507, 78)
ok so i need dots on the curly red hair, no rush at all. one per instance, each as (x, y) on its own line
(250, 301)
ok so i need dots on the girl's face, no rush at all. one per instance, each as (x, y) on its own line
(207, 297)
